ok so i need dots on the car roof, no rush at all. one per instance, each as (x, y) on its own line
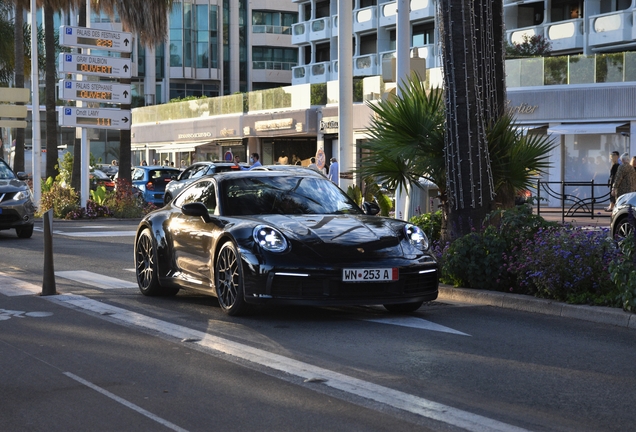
(156, 167)
(299, 171)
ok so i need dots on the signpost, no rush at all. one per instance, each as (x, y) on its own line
(95, 65)
(98, 118)
(93, 91)
(82, 37)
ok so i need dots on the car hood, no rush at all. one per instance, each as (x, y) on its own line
(341, 237)
(12, 185)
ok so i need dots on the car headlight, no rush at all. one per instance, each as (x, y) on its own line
(23, 194)
(270, 239)
(416, 236)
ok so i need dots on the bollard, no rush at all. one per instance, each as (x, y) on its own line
(48, 282)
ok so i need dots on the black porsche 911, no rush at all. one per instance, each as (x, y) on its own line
(282, 237)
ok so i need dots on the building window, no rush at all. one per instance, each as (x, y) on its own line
(274, 58)
(423, 34)
(273, 22)
(176, 35)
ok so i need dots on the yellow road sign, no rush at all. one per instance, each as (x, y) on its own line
(15, 111)
(13, 124)
(14, 94)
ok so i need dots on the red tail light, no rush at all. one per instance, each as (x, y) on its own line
(150, 186)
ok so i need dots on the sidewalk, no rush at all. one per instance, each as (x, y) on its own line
(598, 314)
(601, 218)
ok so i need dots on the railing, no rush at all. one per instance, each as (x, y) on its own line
(272, 65)
(261, 28)
(581, 201)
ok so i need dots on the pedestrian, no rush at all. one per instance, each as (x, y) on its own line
(254, 161)
(634, 162)
(625, 180)
(334, 171)
(144, 163)
(312, 164)
(610, 182)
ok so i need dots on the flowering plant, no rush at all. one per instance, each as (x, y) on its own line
(567, 264)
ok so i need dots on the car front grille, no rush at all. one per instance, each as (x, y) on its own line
(284, 286)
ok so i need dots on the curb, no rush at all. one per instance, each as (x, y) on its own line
(598, 314)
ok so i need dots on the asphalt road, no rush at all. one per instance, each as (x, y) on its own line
(100, 356)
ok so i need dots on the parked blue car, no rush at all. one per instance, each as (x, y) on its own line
(151, 182)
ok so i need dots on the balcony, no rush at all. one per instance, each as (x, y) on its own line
(611, 28)
(365, 19)
(422, 9)
(300, 35)
(566, 35)
(388, 14)
(365, 65)
(334, 70)
(517, 36)
(320, 29)
(300, 75)
(320, 72)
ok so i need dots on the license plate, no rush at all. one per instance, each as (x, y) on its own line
(370, 275)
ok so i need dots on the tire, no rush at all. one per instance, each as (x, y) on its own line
(146, 267)
(403, 307)
(228, 281)
(25, 231)
(623, 229)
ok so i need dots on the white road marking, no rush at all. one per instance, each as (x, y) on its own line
(7, 314)
(416, 323)
(100, 234)
(11, 286)
(91, 233)
(125, 403)
(305, 371)
(95, 279)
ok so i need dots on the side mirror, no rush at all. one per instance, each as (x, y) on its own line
(371, 208)
(196, 209)
(21, 175)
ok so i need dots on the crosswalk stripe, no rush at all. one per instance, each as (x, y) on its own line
(12, 287)
(415, 322)
(95, 279)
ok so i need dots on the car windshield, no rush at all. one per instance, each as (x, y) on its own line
(284, 195)
(5, 172)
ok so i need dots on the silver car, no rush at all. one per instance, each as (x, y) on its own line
(620, 225)
(17, 208)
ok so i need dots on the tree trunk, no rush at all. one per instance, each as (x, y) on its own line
(474, 98)
(76, 175)
(51, 114)
(18, 155)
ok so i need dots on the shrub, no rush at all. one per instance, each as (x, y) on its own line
(62, 200)
(566, 264)
(475, 260)
(430, 223)
(124, 203)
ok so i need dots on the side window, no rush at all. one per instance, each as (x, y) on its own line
(202, 192)
(138, 174)
(200, 170)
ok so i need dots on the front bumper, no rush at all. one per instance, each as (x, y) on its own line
(325, 287)
(15, 214)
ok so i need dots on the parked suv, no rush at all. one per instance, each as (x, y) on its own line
(193, 172)
(17, 208)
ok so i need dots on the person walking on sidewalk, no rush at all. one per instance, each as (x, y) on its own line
(625, 180)
(610, 182)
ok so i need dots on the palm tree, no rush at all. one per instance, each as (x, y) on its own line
(408, 142)
(474, 82)
(149, 20)
(18, 24)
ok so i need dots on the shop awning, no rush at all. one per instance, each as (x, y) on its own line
(170, 147)
(585, 128)
(524, 128)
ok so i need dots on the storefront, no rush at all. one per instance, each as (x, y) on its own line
(586, 124)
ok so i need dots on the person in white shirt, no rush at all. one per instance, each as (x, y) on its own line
(334, 171)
